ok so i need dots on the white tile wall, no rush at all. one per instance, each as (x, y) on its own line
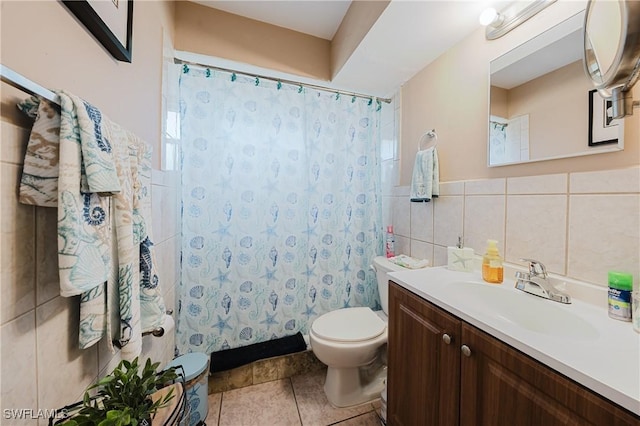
(389, 152)
(578, 224)
(421, 221)
(536, 229)
(485, 187)
(421, 250)
(19, 337)
(63, 369)
(448, 214)
(545, 184)
(387, 136)
(451, 188)
(401, 216)
(17, 263)
(484, 219)
(627, 180)
(47, 286)
(42, 367)
(604, 234)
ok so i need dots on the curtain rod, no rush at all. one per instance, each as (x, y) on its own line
(282, 80)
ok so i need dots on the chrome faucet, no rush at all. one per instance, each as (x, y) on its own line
(537, 282)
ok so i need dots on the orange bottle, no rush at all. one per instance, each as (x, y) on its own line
(492, 270)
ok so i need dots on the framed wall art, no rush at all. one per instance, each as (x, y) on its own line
(110, 22)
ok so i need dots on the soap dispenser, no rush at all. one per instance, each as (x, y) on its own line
(460, 258)
(492, 270)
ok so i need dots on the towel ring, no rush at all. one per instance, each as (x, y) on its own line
(432, 137)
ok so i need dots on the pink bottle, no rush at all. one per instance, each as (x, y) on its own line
(389, 244)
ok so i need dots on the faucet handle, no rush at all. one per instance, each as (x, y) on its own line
(536, 268)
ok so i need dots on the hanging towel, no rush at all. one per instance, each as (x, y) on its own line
(141, 305)
(425, 181)
(152, 307)
(84, 240)
(39, 182)
(87, 175)
(103, 198)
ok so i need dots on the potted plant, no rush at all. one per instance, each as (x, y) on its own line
(124, 397)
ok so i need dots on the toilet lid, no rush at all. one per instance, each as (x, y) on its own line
(349, 325)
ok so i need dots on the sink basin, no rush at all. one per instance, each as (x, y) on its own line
(524, 310)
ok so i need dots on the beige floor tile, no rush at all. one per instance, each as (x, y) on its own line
(367, 419)
(313, 405)
(270, 403)
(377, 407)
(215, 400)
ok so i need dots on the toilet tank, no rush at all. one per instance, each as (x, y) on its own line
(382, 266)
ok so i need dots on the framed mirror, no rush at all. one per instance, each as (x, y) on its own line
(542, 105)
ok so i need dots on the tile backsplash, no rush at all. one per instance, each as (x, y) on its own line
(580, 225)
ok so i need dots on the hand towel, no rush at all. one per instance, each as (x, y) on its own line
(425, 181)
(409, 262)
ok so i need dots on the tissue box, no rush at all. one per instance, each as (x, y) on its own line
(460, 259)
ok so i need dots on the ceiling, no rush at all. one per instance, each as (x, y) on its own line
(405, 38)
(316, 18)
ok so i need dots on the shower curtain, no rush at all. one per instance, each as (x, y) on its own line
(281, 208)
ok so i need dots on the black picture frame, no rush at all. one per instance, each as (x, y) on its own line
(603, 129)
(101, 31)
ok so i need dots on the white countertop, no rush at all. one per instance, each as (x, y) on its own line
(607, 362)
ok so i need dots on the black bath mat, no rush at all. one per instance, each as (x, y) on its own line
(232, 358)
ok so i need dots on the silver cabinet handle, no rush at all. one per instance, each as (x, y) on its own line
(446, 338)
(465, 350)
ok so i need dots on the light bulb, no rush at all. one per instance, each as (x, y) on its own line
(488, 16)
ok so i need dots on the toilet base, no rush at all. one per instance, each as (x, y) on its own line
(345, 387)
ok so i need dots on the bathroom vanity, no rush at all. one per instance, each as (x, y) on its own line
(450, 364)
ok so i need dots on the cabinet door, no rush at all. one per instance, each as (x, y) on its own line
(423, 369)
(502, 386)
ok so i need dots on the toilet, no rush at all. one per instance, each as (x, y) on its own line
(352, 342)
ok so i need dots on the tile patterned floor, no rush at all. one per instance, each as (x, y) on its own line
(299, 400)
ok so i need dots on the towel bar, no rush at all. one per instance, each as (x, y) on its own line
(157, 332)
(20, 82)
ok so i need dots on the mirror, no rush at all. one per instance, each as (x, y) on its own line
(612, 51)
(542, 106)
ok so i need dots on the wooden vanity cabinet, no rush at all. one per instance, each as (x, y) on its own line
(423, 375)
(476, 379)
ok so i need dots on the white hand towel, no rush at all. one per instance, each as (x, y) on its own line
(425, 182)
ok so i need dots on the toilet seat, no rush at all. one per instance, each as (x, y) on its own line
(349, 325)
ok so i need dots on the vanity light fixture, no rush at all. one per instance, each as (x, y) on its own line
(500, 23)
(491, 17)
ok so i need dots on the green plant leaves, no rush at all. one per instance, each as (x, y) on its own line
(123, 397)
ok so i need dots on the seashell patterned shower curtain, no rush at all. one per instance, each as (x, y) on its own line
(281, 208)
